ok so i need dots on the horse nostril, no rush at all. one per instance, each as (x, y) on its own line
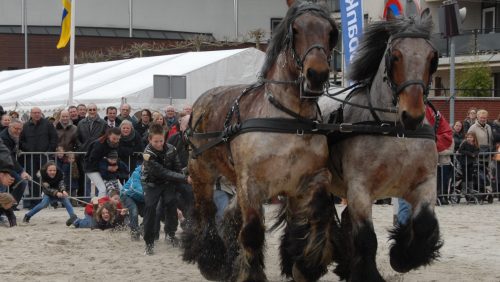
(316, 78)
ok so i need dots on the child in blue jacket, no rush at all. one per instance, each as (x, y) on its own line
(132, 198)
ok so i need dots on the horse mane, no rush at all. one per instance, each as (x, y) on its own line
(281, 38)
(372, 46)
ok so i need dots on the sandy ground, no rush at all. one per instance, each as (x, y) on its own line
(47, 250)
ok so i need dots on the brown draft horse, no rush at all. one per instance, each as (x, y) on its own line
(395, 60)
(265, 164)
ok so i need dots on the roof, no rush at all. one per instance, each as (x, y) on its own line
(109, 83)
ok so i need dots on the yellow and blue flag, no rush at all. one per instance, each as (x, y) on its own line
(65, 24)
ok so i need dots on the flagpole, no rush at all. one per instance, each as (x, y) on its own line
(72, 53)
(25, 31)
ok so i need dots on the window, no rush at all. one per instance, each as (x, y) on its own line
(489, 20)
(274, 24)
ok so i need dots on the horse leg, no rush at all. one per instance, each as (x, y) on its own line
(229, 229)
(417, 242)
(200, 240)
(250, 262)
(364, 240)
(308, 233)
(342, 241)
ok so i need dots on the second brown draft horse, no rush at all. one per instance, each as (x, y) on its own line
(261, 138)
(393, 65)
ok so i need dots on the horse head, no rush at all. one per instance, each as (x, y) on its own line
(410, 64)
(397, 59)
(410, 61)
(306, 36)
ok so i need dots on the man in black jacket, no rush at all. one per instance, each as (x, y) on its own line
(38, 136)
(6, 167)
(184, 191)
(10, 138)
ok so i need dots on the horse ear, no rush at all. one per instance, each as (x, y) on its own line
(425, 13)
(290, 3)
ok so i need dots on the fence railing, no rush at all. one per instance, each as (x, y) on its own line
(77, 184)
(469, 179)
(464, 180)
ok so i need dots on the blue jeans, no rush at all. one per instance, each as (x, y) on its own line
(221, 200)
(133, 211)
(86, 222)
(46, 200)
(404, 211)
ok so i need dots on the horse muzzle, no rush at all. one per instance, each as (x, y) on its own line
(314, 83)
(411, 122)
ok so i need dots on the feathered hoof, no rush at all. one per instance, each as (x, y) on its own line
(212, 256)
(415, 244)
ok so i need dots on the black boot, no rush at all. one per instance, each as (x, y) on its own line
(26, 218)
(71, 219)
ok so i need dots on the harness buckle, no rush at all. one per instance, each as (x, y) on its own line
(345, 127)
(300, 132)
(386, 128)
(315, 127)
(402, 136)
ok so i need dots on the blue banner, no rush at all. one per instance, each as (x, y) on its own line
(351, 13)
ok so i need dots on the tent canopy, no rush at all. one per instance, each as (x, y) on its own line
(115, 82)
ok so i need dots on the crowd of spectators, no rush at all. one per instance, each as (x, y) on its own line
(78, 157)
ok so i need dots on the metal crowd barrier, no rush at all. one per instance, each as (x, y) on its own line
(469, 181)
(461, 181)
(77, 184)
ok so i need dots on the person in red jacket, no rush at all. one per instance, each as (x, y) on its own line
(88, 220)
(444, 140)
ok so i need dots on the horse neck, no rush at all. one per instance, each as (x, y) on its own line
(288, 94)
(380, 95)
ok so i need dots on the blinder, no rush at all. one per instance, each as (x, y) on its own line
(389, 59)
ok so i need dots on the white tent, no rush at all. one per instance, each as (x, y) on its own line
(112, 83)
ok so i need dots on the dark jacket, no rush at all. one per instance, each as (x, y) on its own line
(6, 164)
(495, 129)
(122, 171)
(141, 128)
(458, 137)
(182, 148)
(66, 136)
(128, 146)
(77, 120)
(117, 122)
(469, 153)
(51, 186)
(40, 137)
(97, 152)
(10, 216)
(86, 135)
(13, 147)
(163, 166)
